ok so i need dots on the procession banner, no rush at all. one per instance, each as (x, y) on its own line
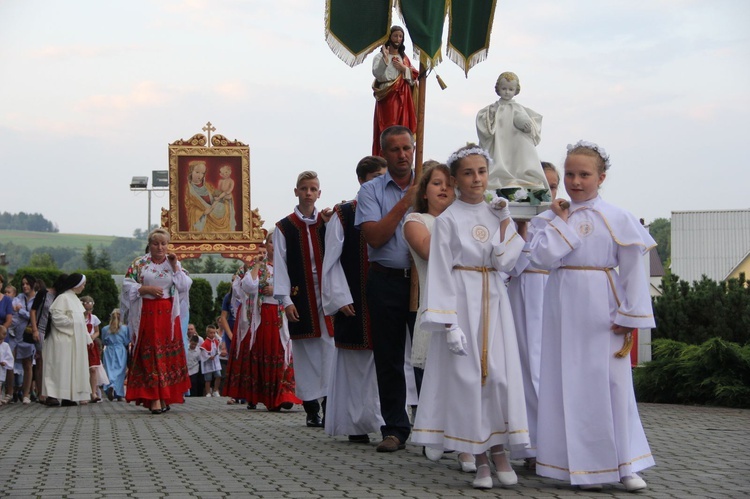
(469, 31)
(424, 21)
(354, 28)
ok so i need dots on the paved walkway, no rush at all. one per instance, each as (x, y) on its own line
(206, 448)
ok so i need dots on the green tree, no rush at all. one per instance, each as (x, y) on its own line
(48, 274)
(89, 257)
(704, 310)
(25, 221)
(221, 290)
(59, 254)
(103, 261)
(102, 288)
(42, 260)
(213, 265)
(192, 265)
(716, 372)
(16, 255)
(661, 230)
(201, 304)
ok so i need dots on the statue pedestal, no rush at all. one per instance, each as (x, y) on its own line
(523, 212)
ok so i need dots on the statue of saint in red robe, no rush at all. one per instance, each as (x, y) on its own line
(394, 78)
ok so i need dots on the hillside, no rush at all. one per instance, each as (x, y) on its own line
(33, 240)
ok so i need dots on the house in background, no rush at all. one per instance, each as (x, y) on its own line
(656, 271)
(715, 243)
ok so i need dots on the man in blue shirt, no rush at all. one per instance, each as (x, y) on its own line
(382, 204)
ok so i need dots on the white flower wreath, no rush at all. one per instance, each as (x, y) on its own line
(594, 147)
(461, 154)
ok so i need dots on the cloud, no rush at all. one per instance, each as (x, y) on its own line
(66, 52)
(143, 94)
(231, 90)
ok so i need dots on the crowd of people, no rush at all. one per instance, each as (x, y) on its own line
(518, 343)
(515, 340)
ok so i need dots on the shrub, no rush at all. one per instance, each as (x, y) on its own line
(102, 288)
(99, 285)
(706, 309)
(49, 275)
(717, 372)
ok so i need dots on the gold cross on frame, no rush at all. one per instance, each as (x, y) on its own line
(208, 129)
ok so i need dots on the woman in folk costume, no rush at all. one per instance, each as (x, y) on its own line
(66, 365)
(238, 376)
(152, 290)
(271, 371)
(472, 394)
(526, 292)
(589, 429)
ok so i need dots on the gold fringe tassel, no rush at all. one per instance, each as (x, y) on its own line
(627, 345)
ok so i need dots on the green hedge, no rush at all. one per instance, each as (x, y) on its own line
(99, 285)
(695, 313)
(716, 372)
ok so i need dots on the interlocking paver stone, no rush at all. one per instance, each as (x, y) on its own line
(208, 449)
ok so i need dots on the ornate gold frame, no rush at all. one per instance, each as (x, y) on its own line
(186, 241)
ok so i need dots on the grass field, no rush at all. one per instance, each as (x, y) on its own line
(33, 240)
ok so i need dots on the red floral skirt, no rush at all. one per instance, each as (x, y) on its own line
(237, 380)
(159, 370)
(262, 376)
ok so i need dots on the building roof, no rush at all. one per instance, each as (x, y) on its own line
(710, 242)
(657, 269)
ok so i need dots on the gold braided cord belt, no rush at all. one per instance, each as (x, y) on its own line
(536, 271)
(485, 311)
(627, 344)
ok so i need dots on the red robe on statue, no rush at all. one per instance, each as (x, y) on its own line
(394, 104)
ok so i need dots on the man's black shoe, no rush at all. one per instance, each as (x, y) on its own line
(314, 421)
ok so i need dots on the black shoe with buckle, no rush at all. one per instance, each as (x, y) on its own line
(314, 421)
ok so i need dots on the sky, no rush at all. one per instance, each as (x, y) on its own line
(92, 93)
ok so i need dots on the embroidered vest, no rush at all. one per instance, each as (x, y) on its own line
(353, 333)
(301, 283)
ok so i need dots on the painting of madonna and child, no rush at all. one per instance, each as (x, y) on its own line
(210, 194)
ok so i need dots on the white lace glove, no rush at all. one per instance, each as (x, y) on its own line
(501, 205)
(456, 340)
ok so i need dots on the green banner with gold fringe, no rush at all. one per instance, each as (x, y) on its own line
(354, 28)
(469, 32)
(424, 21)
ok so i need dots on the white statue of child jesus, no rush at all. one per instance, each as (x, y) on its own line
(510, 133)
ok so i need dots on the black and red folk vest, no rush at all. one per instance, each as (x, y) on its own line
(353, 333)
(299, 269)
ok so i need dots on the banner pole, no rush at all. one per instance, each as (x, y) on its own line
(422, 91)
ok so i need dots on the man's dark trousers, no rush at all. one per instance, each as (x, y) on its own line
(388, 299)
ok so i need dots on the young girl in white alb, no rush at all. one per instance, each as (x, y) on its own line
(589, 431)
(526, 292)
(472, 393)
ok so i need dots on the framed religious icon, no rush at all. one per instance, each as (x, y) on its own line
(209, 198)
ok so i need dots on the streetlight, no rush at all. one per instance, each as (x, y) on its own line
(160, 183)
